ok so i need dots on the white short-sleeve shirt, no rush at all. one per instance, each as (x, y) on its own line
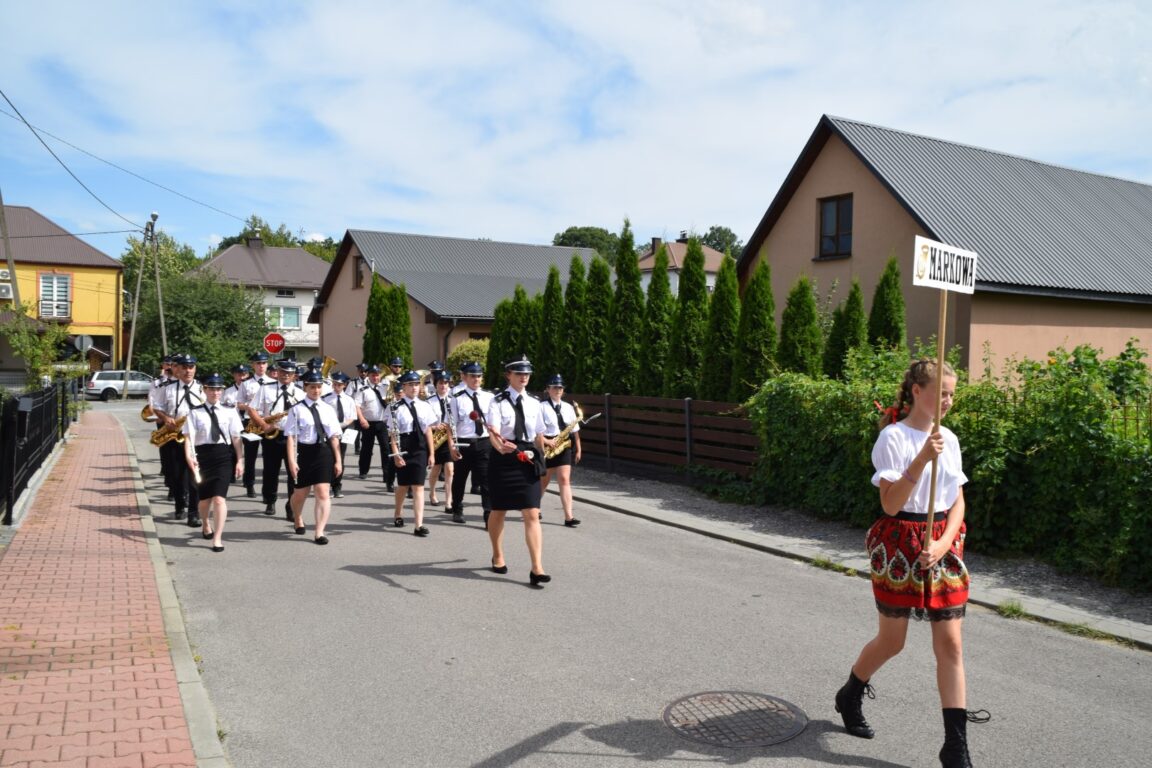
(894, 451)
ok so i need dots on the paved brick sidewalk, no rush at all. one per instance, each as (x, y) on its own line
(86, 678)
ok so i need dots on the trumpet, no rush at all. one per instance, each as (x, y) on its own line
(168, 433)
(272, 432)
(147, 414)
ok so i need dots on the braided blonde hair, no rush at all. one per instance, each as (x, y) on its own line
(922, 372)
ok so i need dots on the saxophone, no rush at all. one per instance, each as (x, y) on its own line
(272, 432)
(168, 433)
(440, 432)
(564, 439)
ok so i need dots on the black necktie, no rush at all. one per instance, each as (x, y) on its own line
(519, 433)
(187, 397)
(320, 436)
(479, 416)
(339, 409)
(214, 433)
(559, 417)
(284, 395)
(380, 398)
(443, 410)
(417, 433)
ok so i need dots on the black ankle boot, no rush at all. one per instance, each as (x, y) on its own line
(849, 703)
(954, 753)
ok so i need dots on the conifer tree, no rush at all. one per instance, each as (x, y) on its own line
(801, 343)
(398, 326)
(755, 356)
(886, 327)
(720, 343)
(548, 348)
(374, 318)
(627, 317)
(572, 335)
(689, 326)
(658, 312)
(593, 357)
(523, 332)
(849, 331)
(499, 343)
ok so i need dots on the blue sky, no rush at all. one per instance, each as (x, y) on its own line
(515, 120)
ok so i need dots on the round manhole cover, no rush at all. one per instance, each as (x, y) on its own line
(735, 719)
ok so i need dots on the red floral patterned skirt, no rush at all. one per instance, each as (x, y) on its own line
(900, 588)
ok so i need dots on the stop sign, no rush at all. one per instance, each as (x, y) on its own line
(274, 342)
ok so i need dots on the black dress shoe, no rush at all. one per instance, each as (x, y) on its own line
(421, 531)
(206, 535)
(300, 530)
(398, 522)
(572, 523)
(194, 522)
(458, 517)
(251, 492)
(499, 568)
(390, 488)
(536, 579)
(321, 539)
(218, 549)
(270, 508)
(178, 514)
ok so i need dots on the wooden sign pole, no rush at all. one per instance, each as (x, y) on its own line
(935, 428)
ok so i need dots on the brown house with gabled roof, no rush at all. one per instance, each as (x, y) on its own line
(677, 250)
(1064, 255)
(66, 281)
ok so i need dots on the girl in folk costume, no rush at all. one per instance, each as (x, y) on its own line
(516, 432)
(442, 403)
(559, 414)
(907, 579)
(313, 451)
(212, 451)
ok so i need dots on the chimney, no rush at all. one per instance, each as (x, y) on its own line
(656, 243)
(255, 241)
(683, 236)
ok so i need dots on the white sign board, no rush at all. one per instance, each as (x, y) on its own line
(942, 266)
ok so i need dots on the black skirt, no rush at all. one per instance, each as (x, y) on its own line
(513, 483)
(443, 454)
(415, 469)
(316, 463)
(562, 459)
(217, 466)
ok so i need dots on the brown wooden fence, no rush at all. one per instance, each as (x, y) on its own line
(672, 434)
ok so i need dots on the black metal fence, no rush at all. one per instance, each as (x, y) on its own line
(31, 423)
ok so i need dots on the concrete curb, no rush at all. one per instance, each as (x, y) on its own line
(1038, 609)
(198, 709)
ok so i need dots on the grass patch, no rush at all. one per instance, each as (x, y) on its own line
(1011, 609)
(827, 565)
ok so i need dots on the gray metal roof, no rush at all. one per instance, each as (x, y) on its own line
(457, 277)
(267, 266)
(1038, 228)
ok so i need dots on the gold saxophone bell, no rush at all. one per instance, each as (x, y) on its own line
(326, 368)
(147, 414)
(439, 435)
(168, 434)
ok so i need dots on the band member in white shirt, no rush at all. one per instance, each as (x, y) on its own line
(275, 399)
(516, 431)
(259, 378)
(410, 421)
(373, 399)
(348, 414)
(443, 404)
(472, 446)
(558, 415)
(212, 450)
(178, 398)
(313, 447)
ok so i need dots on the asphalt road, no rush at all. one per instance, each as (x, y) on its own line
(384, 649)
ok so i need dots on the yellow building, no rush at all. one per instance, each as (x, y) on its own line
(66, 281)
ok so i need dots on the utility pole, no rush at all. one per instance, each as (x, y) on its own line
(16, 307)
(136, 303)
(150, 234)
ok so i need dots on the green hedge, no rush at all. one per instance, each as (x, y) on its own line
(1051, 473)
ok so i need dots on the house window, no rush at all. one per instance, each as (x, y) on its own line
(285, 293)
(358, 272)
(55, 296)
(836, 227)
(283, 317)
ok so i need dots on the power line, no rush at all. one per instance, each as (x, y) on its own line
(120, 168)
(76, 234)
(65, 165)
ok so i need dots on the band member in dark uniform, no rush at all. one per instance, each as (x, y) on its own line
(179, 398)
(274, 401)
(516, 423)
(313, 433)
(473, 449)
(373, 399)
(443, 404)
(559, 415)
(348, 415)
(410, 421)
(212, 450)
(258, 379)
